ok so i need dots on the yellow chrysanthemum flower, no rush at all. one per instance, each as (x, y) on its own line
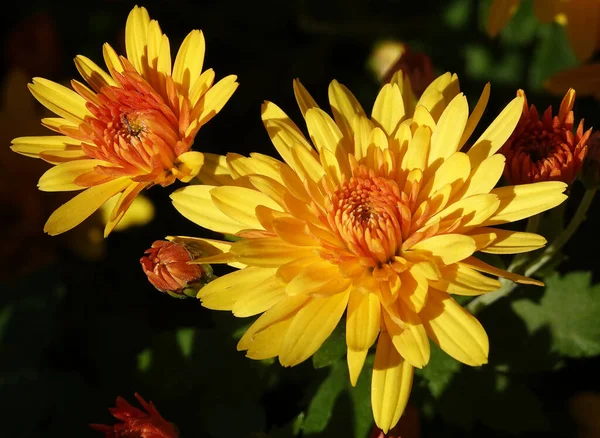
(133, 129)
(581, 19)
(381, 221)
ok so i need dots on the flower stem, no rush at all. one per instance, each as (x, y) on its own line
(560, 241)
(532, 267)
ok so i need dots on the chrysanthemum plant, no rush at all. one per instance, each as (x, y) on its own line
(382, 219)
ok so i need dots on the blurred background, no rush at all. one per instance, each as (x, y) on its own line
(79, 322)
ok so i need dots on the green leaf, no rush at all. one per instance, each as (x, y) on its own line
(553, 53)
(333, 349)
(321, 406)
(440, 371)
(569, 310)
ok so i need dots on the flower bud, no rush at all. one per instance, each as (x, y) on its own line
(545, 149)
(167, 266)
(137, 423)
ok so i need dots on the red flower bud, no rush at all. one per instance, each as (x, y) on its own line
(167, 266)
(136, 423)
(546, 149)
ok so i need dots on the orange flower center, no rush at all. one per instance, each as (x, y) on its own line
(133, 129)
(369, 212)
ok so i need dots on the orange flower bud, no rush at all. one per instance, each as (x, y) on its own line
(136, 423)
(546, 149)
(167, 266)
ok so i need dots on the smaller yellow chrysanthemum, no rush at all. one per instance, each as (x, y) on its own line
(133, 129)
(380, 221)
(581, 19)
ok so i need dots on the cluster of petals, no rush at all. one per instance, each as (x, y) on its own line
(377, 217)
(127, 129)
(546, 149)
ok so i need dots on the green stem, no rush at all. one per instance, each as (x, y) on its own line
(554, 248)
(531, 268)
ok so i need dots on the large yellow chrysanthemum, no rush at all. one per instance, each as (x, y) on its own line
(381, 221)
(133, 129)
(581, 19)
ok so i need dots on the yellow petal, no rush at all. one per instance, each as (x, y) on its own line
(122, 205)
(473, 211)
(500, 14)
(60, 100)
(189, 61)
(268, 251)
(511, 242)
(111, 59)
(418, 150)
(391, 384)
(93, 74)
(239, 203)
(303, 97)
(494, 137)
(455, 330)
(414, 287)
(356, 361)
(83, 205)
(284, 310)
(201, 85)
(192, 163)
(136, 36)
(33, 146)
(455, 170)
(224, 292)
(445, 139)
(215, 171)
(411, 339)
(525, 200)
(310, 327)
(422, 117)
(477, 264)
(451, 248)
(388, 109)
(62, 177)
(195, 203)
(459, 279)
(362, 321)
(267, 343)
(260, 297)
(320, 278)
(212, 102)
(475, 116)
(484, 177)
(344, 107)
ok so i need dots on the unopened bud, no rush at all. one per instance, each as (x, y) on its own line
(168, 268)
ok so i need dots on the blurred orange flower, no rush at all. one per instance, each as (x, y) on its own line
(581, 19)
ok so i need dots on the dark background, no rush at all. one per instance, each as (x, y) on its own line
(80, 324)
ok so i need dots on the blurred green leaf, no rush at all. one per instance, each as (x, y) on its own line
(553, 53)
(521, 28)
(456, 14)
(439, 371)
(332, 349)
(570, 310)
(185, 339)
